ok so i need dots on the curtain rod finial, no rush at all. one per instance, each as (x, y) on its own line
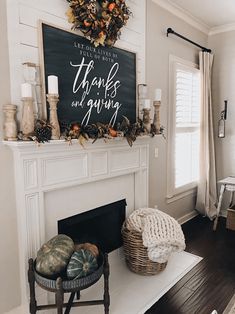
(207, 50)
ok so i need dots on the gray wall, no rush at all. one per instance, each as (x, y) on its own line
(158, 49)
(9, 273)
(223, 87)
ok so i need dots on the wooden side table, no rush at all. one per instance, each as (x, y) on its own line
(227, 184)
(59, 290)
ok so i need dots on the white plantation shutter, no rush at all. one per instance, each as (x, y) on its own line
(186, 158)
(185, 134)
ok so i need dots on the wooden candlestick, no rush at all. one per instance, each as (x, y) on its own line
(53, 101)
(156, 118)
(10, 127)
(27, 123)
(146, 119)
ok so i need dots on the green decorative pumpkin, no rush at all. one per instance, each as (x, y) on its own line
(53, 256)
(81, 264)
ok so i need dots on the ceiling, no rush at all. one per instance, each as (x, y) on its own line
(213, 13)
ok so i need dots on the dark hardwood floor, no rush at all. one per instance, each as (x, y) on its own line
(209, 285)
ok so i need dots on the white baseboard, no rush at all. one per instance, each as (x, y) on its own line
(187, 217)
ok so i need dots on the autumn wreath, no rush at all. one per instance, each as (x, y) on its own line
(100, 21)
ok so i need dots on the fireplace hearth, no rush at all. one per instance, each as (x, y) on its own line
(100, 226)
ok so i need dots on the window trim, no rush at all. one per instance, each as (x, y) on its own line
(172, 192)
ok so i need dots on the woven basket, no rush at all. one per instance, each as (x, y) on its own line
(136, 254)
(230, 221)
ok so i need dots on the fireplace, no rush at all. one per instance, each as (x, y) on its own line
(100, 226)
(56, 181)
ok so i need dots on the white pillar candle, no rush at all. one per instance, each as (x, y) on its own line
(26, 90)
(53, 84)
(158, 94)
(143, 91)
(147, 104)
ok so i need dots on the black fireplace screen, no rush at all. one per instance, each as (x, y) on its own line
(101, 226)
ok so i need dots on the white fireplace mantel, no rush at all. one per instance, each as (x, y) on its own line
(58, 165)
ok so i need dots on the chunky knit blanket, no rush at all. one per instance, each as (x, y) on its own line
(161, 233)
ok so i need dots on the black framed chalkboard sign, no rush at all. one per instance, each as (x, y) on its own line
(96, 84)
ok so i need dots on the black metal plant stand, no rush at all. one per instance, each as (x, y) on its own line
(59, 290)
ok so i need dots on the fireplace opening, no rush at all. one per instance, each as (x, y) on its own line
(101, 226)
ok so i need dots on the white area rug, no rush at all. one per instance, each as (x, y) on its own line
(134, 294)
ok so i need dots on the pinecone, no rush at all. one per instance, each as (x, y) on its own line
(43, 131)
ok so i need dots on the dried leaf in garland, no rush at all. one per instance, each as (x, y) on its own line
(64, 127)
(140, 128)
(131, 135)
(102, 130)
(83, 138)
(129, 130)
(78, 132)
(100, 21)
(125, 124)
(92, 131)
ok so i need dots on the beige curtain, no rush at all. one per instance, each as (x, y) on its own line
(207, 192)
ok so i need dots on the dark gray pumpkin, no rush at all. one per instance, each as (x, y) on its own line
(81, 264)
(53, 256)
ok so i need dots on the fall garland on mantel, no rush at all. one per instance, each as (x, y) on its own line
(125, 129)
(83, 133)
(100, 21)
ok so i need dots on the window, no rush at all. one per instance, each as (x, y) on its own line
(184, 126)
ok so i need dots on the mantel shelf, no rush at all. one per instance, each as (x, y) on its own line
(54, 145)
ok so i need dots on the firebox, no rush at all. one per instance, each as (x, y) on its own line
(101, 226)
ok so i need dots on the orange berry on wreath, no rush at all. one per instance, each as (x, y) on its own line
(87, 23)
(111, 6)
(101, 34)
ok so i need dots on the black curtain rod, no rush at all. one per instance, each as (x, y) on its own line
(171, 31)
